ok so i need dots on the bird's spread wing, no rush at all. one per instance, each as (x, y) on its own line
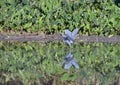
(74, 33)
(69, 35)
(67, 32)
(67, 65)
(75, 63)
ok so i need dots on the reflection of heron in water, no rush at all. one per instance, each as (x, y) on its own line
(69, 60)
(69, 37)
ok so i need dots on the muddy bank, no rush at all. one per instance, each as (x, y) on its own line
(56, 37)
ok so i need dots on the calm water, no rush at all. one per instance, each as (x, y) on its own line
(32, 61)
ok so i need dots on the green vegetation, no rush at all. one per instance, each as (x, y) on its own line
(34, 63)
(92, 17)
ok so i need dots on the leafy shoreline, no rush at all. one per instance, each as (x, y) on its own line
(91, 17)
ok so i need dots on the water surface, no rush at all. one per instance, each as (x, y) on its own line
(31, 62)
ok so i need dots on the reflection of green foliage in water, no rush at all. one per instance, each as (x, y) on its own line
(31, 61)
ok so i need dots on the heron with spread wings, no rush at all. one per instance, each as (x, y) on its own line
(69, 37)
